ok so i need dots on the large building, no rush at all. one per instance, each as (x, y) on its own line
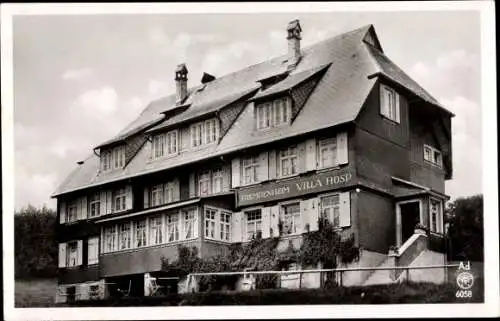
(334, 130)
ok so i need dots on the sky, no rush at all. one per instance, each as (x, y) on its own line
(80, 79)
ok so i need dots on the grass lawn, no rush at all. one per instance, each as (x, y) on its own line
(35, 293)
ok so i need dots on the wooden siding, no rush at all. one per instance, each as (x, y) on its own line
(78, 274)
(77, 231)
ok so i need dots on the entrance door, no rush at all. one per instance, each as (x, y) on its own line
(410, 217)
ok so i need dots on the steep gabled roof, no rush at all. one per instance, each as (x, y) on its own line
(337, 98)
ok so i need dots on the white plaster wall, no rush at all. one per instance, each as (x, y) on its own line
(436, 275)
(367, 259)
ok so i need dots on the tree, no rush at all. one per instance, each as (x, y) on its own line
(465, 231)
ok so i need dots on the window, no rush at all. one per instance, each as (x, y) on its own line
(210, 221)
(72, 215)
(436, 216)
(118, 156)
(72, 254)
(165, 144)
(169, 192)
(254, 224)
(95, 205)
(188, 224)
(93, 250)
(217, 180)
(172, 227)
(124, 236)
(110, 239)
(330, 209)
(157, 195)
(288, 161)
(112, 158)
(250, 170)
(290, 216)
(433, 155)
(155, 230)
(225, 226)
(273, 113)
(171, 139)
(327, 152)
(105, 161)
(389, 103)
(158, 146)
(140, 233)
(204, 183)
(205, 132)
(119, 200)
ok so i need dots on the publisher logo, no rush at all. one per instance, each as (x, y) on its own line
(465, 280)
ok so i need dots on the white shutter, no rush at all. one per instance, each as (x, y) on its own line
(342, 148)
(304, 214)
(235, 172)
(196, 226)
(313, 214)
(79, 252)
(226, 178)
(129, 197)
(146, 197)
(93, 250)
(311, 154)
(345, 209)
(102, 204)
(192, 187)
(62, 255)
(263, 167)
(398, 97)
(236, 226)
(275, 215)
(84, 206)
(301, 157)
(272, 164)
(62, 213)
(109, 202)
(266, 222)
(384, 110)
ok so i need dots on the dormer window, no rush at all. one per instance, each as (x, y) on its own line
(273, 113)
(165, 144)
(204, 132)
(113, 158)
(389, 103)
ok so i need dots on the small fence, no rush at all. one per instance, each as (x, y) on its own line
(315, 278)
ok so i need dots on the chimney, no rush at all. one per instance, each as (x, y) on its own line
(293, 36)
(181, 83)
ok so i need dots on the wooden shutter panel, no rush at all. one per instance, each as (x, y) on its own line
(313, 214)
(304, 214)
(342, 148)
(146, 197)
(301, 159)
(109, 202)
(398, 97)
(235, 172)
(311, 154)
(275, 214)
(266, 222)
(62, 255)
(196, 226)
(345, 209)
(272, 164)
(102, 204)
(226, 178)
(62, 212)
(192, 187)
(263, 167)
(84, 207)
(79, 252)
(236, 226)
(129, 198)
(383, 101)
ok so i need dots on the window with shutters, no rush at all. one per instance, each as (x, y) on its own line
(188, 223)
(169, 192)
(327, 152)
(253, 224)
(204, 183)
(95, 205)
(217, 180)
(210, 222)
(72, 212)
(93, 250)
(172, 227)
(124, 236)
(119, 200)
(140, 233)
(330, 209)
(433, 156)
(250, 169)
(155, 230)
(72, 254)
(110, 241)
(225, 226)
(287, 161)
(389, 106)
(157, 195)
(290, 217)
(436, 216)
(273, 113)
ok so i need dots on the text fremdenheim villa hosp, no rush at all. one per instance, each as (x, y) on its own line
(335, 130)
